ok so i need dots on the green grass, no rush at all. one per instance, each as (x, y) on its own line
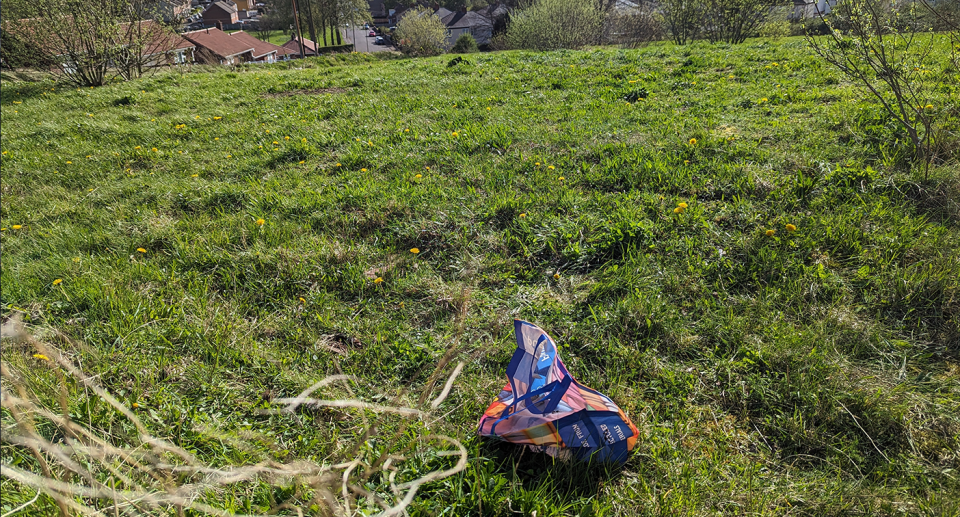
(279, 37)
(812, 372)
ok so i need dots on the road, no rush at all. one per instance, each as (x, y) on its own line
(362, 42)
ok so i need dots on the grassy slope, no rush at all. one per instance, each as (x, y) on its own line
(812, 371)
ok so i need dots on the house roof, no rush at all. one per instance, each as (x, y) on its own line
(462, 20)
(293, 47)
(227, 8)
(443, 12)
(218, 42)
(260, 48)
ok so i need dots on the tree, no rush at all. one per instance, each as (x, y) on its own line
(89, 42)
(633, 26)
(683, 18)
(555, 24)
(733, 21)
(877, 47)
(421, 33)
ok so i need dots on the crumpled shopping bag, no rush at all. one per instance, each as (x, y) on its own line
(544, 407)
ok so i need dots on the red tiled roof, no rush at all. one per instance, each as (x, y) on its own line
(260, 47)
(218, 42)
(293, 47)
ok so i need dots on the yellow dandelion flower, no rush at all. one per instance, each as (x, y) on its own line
(763, 99)
(58, 281)
(135, 405)
(231, 156)
(418, 176)
(378, 280)
(406, 130)
(488, 108)
(194, 175)
(454, 134)
(551, 167)
(682, 205)
(363, 170)
(791, 228)
(338, 165)
(302, 300)
(286, 138)
(303, 140)
(141, 250)
(137, 147)
(556, 276)
(369, 142)
(537, 164)
(428, 168)
(41, 357)
(197, 117)
(217, 118)
(561, 178)
(523, 214)
(3, 229)
(302, 162)
(770, 233)
(693, 141)
(69, 162)
(686, 162)
(929, 106)
(678, 210)
(414, 250)
(276, 143)
(260, 222)
(731, 77)
(16, 227)
(154, 149)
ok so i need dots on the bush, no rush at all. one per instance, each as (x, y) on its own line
(555, 24)
(465, 45)
(421, 33)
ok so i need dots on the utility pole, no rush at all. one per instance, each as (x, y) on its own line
(296, 21)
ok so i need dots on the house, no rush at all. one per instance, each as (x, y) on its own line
(163, 47)
(807, 9)
(469, 22)
(379, 11)
(169, 10)
(263, 51)
(245, 5)
(216, 46)
(293, 46)
(221, 12)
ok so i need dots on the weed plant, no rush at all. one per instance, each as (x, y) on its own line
(737, 255)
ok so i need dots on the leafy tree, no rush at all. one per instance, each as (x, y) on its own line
(421, 33)
(555, 24)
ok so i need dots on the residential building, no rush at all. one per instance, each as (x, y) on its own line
(221, 12)
(263, 51)
(216, 46)
(293, 46)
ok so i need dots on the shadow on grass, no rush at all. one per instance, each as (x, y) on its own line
(541, 473)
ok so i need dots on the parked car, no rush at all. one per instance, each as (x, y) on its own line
(379, 41)
(372, 34)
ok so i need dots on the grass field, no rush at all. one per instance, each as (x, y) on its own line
(787, 344)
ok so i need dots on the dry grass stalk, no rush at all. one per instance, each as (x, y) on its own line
(90, 472)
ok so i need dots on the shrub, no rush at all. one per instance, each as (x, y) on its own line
(421, 33)
(465, 45)
(733, 21)
(555, 24)
(682, 18)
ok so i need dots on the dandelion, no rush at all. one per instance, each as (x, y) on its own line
(58, 281)
(693, 141)
(137, 147)
(556, 276)
(770, 233)
(286, 138)
(276, 143)
(537, 164)
(260, 222)
(686, 162)
(194, 175)
(678, 210)
(763, 99)
(135, 405)
(369, 142)
(231, 156)
(338, 165)
(454, 134)
(69, 162)
(682, 205)
(217, 118)
(141, 250)
(418, 176)
(427, 167)
(91, 190)
(302, 300)
(523, 214)
(41, 357)
(154, 149)
(16, 227)
(414, 250)
(378, 280)
(929, 106)
(732, 77)
(3, 229)
(791, 228)
(303, 140)
(550, 167)
(197, 117)
(561, 178)
(406, 130)
(216, 138)
(363, 170)
(302, 162)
